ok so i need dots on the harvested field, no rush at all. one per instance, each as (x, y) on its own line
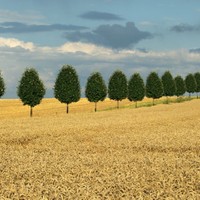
(144, 153)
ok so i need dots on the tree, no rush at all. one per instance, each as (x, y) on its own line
(180, 86)
(169, 87)
(96, 89)
(31, 89)
(117, 87)
(197, 78)
(136, 88)
(67, 86)
(190, 83)
(154, 87)
(2, 86)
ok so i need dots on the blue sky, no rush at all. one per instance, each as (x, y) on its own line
(93, 35)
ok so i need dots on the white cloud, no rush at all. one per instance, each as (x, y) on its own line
(87, 58)
(13, 43)
(84, 48)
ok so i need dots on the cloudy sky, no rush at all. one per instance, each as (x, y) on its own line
(97, 35)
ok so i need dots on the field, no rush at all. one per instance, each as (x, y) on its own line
(143, 153)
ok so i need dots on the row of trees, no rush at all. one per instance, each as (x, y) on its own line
(31, 89)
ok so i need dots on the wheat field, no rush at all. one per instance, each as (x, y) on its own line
(143, 153)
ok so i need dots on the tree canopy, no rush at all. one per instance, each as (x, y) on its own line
(154, 87)
(136, 88)
(197, 78)
(117, 87)
(180, 86)
(190, 83)
(31, 89)
(2, 86)
(169, 87)
(67, 86)
(96, 89)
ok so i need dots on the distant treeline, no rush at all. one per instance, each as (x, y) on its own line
(31, 89)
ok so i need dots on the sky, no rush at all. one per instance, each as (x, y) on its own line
(97, 36)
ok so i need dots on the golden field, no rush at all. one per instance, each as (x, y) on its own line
(14, 108)
(143, 153)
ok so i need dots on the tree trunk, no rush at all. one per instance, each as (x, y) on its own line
(95, 109)
(67, 111)
(117, 104)
(167, 100)
(31, 111)
(189, 95)
(136, 104)
(153, 102)
(197, 95)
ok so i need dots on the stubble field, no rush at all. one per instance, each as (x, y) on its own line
(144, 153)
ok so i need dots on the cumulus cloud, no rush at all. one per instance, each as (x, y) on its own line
(17, 27)
(113, 36)
(15, 43)
(185, 28)
(87, 58)
(95, 15)
(78, 47)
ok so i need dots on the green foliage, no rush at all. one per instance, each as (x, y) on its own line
(136, 88)
(31, 89)
(2, 86)
(154, 87)
(197, 78)
(117, 86)
(190, 83)
(169, 87)
(96, 89)
(67, 86)
(180, 86)
(181, 99)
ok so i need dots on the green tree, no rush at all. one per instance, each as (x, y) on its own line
(96, 89)
(31, 89)
(2, 86)
(117, 87)
(180, 86)
(136, 88)
(154, 87)
(190, 83)
(197, 78)
(67, 86)
(169, 87)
